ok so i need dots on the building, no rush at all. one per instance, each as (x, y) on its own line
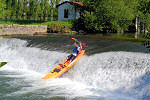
(69, 10)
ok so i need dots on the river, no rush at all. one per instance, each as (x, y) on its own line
(109, 70)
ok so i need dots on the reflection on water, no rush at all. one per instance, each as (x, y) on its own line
(63, 43)
(128, 35)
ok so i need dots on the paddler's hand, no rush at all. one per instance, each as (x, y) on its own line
(74, 39)
(80, 42)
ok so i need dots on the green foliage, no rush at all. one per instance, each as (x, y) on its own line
(46, 9)
(61, 23)
(52, 9)
(144, 12)
(59, 26)
(109, 14)
(68, 24)
(42, 9)
(19, 9)
(14, 9)
(2, 7)
(25, 8)
(91, 23)
(28, 9)
(100, 15)
(37, 10)
(31, 12)
(22, 22)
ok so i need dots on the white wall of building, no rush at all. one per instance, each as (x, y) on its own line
(73, 14)
(77, 14)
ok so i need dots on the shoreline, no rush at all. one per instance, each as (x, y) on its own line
(15, 30)
(140, 40)
(118, 38)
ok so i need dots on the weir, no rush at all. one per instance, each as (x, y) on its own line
(101, 75)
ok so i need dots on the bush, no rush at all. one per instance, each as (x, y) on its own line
(59, 26)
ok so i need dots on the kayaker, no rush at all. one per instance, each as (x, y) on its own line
(76, 50)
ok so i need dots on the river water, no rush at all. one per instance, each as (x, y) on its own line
(110, 70)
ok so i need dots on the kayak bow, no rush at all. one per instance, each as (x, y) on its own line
(63, 67)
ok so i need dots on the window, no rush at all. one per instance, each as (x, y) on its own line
(66, 13)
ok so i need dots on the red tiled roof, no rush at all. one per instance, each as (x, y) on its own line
(73, 3)
(79, 3)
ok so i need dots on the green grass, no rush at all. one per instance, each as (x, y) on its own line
(61, 23)
(35, 22)
(20, 22)
(59, 26)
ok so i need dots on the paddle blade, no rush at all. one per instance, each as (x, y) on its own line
(83, 44)
(2, 64)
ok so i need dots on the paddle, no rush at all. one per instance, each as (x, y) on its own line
(83, 44)
(2, 64)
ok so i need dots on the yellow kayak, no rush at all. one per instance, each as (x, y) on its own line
(63, 67)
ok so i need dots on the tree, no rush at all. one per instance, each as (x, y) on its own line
(109, 15)
(46, 9)
(8, 8)
(31, 12)
(52, 9)
(14, 9)
(2, 7)
(55, 14)
(144, 13)
(20, 9)
(37, 9)
(25, 8)
(57, 2)
(42, 9)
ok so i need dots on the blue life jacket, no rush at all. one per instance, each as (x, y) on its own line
(76, 50)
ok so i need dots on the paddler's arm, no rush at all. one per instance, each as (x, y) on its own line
(78, 42)
(75, 42)
(80, 45)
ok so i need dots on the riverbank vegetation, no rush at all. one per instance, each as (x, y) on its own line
(59, 26)
(42, 10)
(115, 15)
(52, 26)
(34, 22)
(97, 16)
(22, 22)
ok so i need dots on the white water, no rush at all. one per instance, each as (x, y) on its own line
(106, 76)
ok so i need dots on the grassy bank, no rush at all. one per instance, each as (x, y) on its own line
(59, 26)
(21, 22)
(34, 22)
(52, 26)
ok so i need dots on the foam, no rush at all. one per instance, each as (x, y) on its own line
(110, 75)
